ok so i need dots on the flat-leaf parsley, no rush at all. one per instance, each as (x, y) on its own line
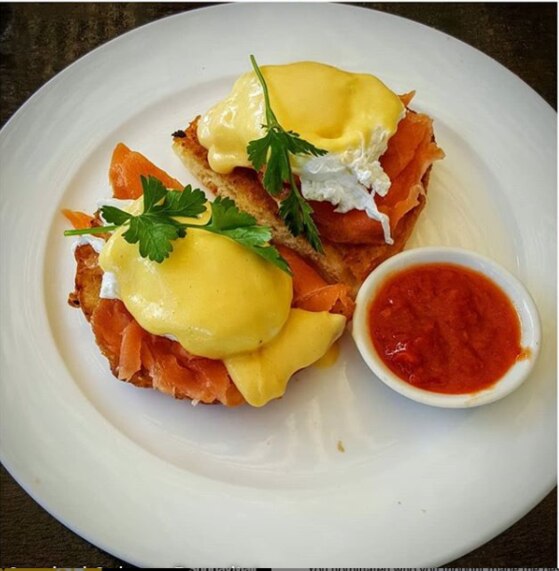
(273, 151)
(157, 227)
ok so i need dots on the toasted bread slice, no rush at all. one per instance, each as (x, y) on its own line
(347, 263)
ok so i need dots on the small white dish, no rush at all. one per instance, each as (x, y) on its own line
(530, 333)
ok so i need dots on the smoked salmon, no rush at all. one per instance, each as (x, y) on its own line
(79, 219)
(410, 153)
(312, 292)
(126, 169)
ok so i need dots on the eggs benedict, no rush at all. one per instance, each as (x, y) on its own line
(351, 116)
(214, 320)
(364, 187)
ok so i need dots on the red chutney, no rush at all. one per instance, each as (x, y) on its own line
(445, 328)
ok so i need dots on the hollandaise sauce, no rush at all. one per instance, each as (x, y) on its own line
(333, 109)
(263, 375)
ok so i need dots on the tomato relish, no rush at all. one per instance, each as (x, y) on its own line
(445, 328)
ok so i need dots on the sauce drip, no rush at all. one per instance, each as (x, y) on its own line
(445, 328)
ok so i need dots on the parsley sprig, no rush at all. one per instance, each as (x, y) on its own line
(157, 227)
(273, 150)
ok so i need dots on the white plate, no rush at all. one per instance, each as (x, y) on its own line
(158, 482)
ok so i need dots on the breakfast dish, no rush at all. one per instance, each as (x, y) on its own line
(206, 310)
(364, 177)
(276, 472)
(191, 298)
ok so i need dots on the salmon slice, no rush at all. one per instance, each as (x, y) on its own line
(126, 169)
(410, 153)
(305, 278)
(171, 368)
(181, 375)
(79, 219)
(213, 375)
(407, 97)
(173, 379)
(233, 397)
(130, 358)
(108, 321)
(312, 292)
(413, 130)
(328, 298)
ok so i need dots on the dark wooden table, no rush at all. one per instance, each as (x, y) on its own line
(39, 40)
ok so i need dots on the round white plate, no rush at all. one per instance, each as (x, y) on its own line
(158, 482)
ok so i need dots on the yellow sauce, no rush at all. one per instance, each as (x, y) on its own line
(263, 375)
(216, 297)
(333, 109)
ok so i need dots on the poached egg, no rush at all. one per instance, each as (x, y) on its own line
(350, 115)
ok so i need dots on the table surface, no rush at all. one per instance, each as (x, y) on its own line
(39, 40)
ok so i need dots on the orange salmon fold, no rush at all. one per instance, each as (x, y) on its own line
(410, 152)
(78, 219)
(126, 169)
(312, 292)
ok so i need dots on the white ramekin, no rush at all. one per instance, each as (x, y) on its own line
(517, 293)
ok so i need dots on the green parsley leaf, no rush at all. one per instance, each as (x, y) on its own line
(154, 192)
(115, 215)
(226, 215)
(270, 254)
(155, 229)
(298, 146)
(296, 212)
(153, 235)
(258, 150)
(188, 202)
(240, 226)
(273, 151)
(248, 234)
(278, 168)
